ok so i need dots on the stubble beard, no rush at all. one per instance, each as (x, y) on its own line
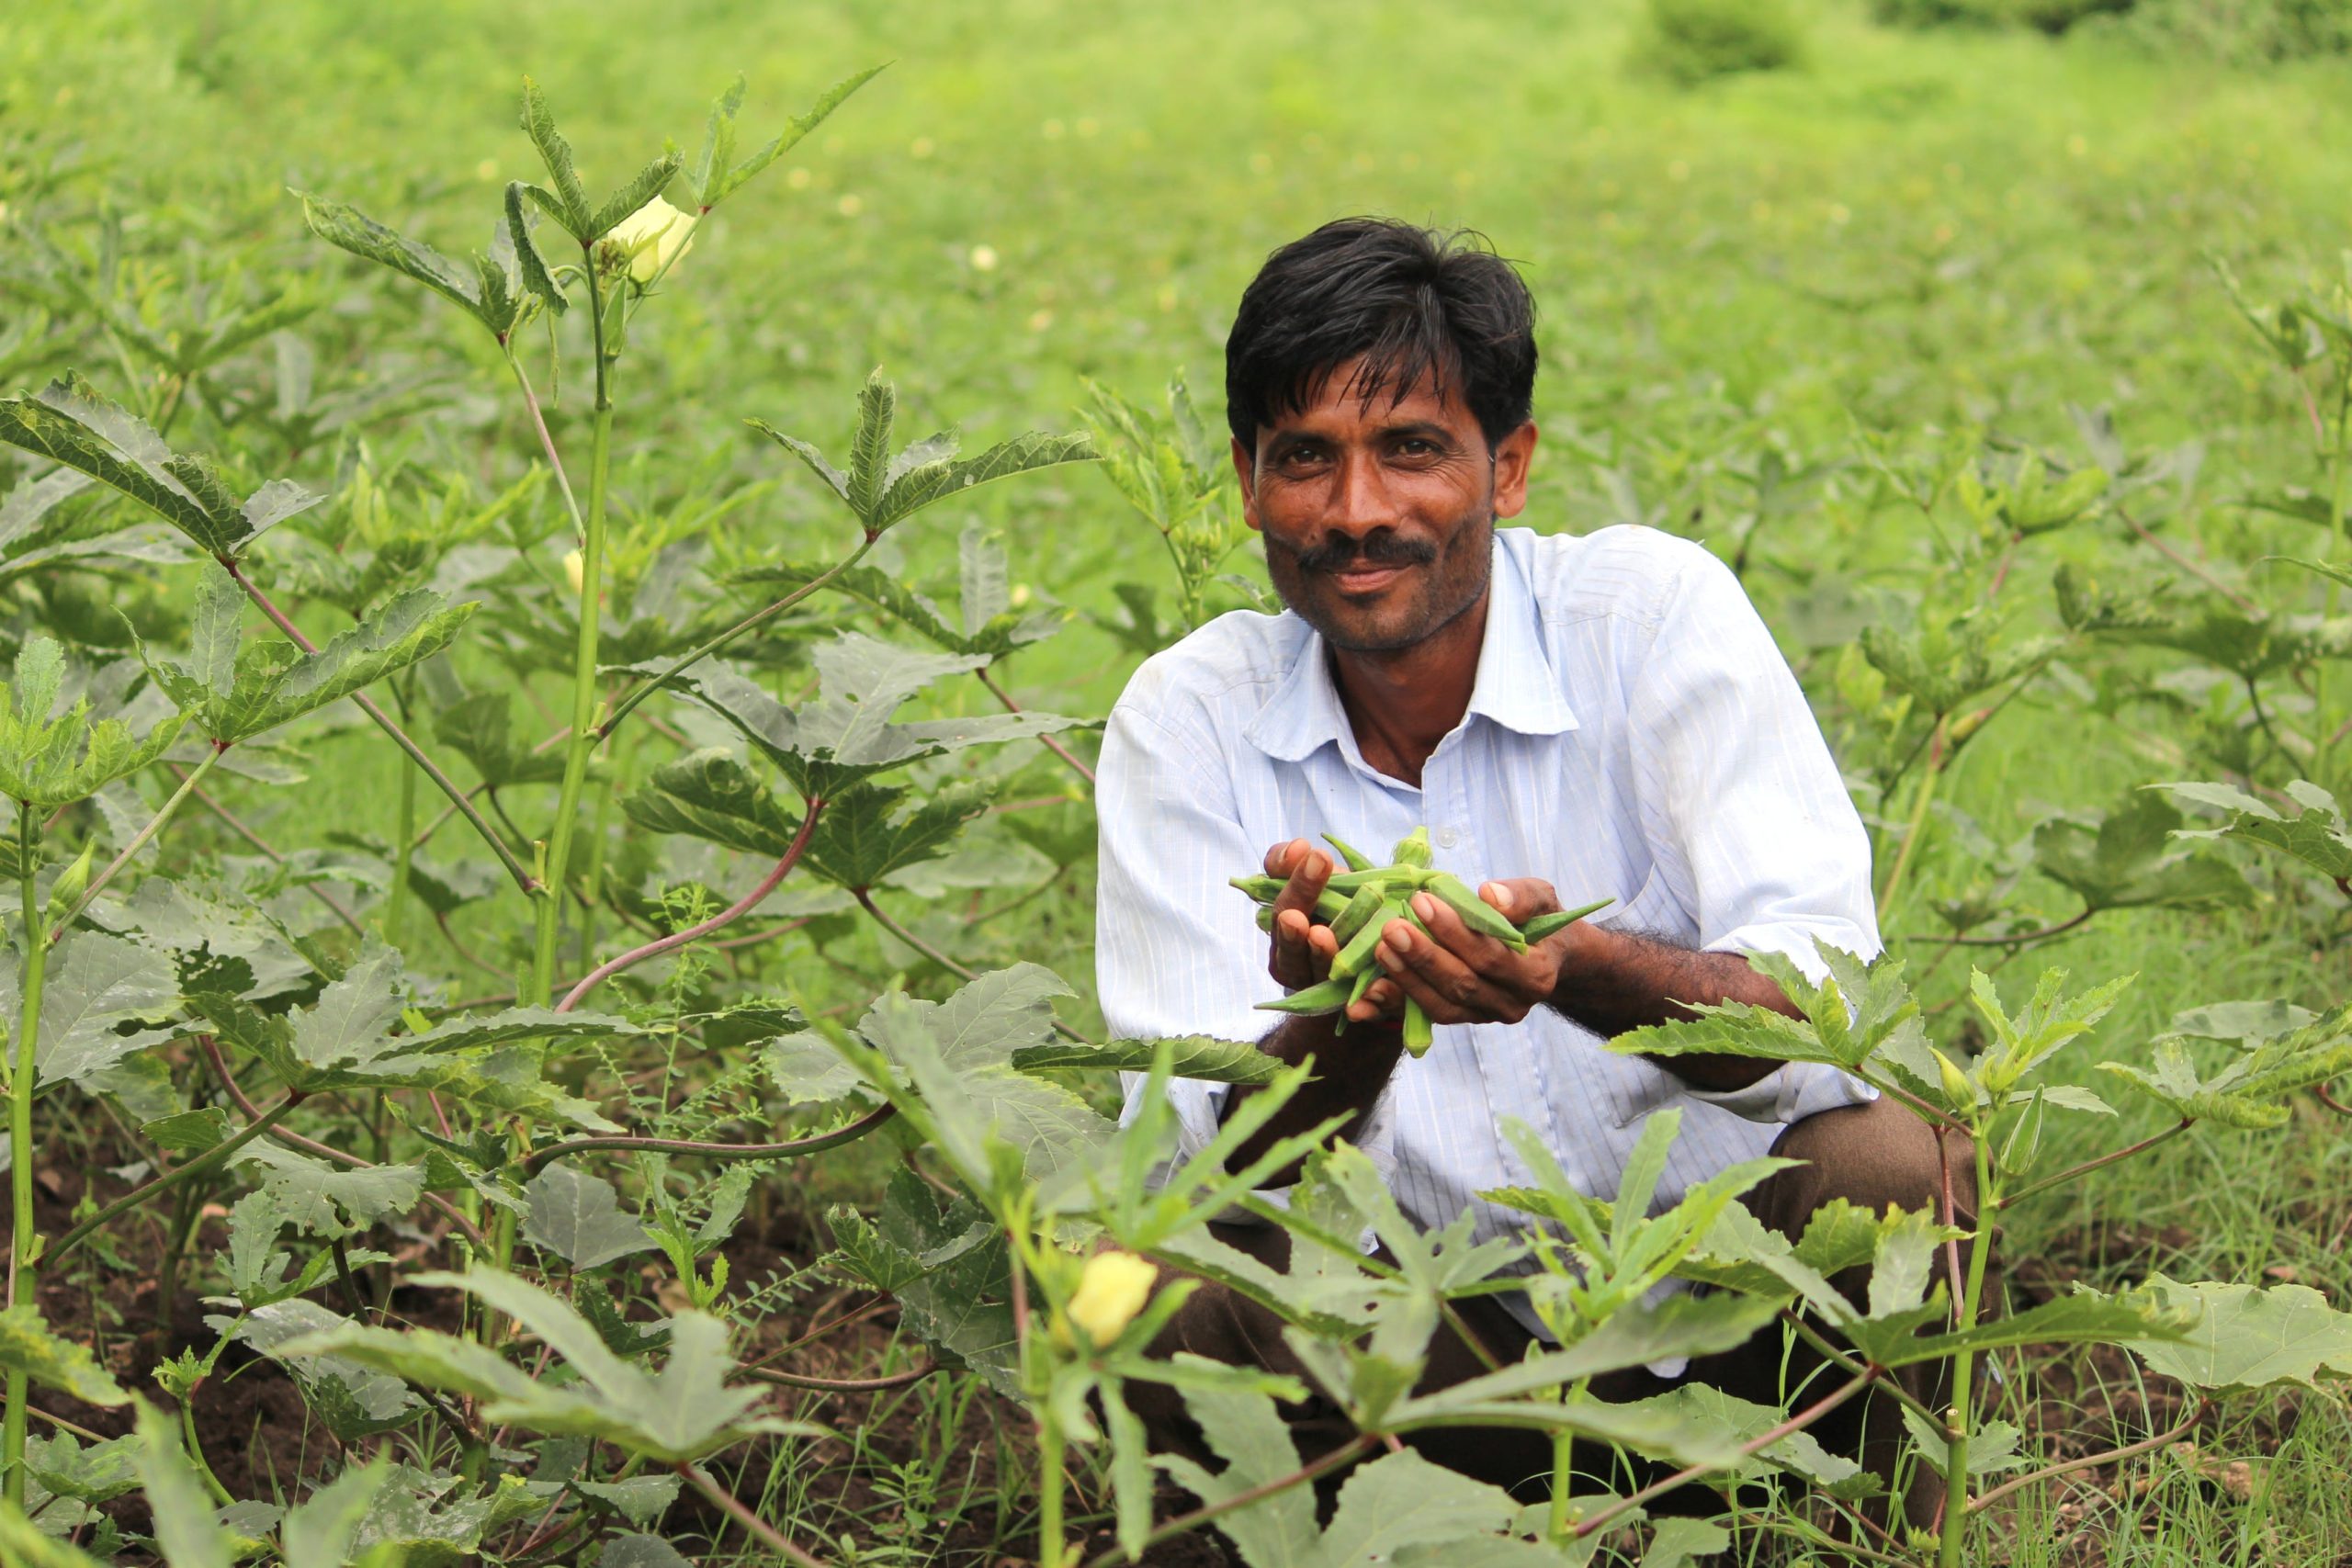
(1450, 586)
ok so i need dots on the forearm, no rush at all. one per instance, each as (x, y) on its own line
(1615, 982)
(1351, 1071)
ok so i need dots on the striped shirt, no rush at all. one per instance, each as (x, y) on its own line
(1632, 734)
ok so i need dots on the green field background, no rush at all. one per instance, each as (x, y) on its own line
(1905, 234)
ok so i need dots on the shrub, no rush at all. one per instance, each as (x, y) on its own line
(1689, 41)
(2246, 32)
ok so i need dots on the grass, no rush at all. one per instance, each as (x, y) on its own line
(1910, 234)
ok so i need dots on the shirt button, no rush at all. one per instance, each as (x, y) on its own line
(1447, 837)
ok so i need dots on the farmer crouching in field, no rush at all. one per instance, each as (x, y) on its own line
(1571, 719)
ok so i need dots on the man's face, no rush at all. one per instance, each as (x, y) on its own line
(1379, 519)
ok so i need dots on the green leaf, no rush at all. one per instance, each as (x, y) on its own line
(1192, 1056)
(481, 729)
(530, 267)
(23, 1542)
(714, 176)
(641, 1499)
(950, 1268)
(27, 1346)
(2124, 863)
(99, 1473)
(1740, 1422)
(70, 423)
(580, 1218)
(2242, 1338)
(1681, 1543)
(862, 837)
(708, 795)
(1856, 1009)
(678, 1415)
(642, 1550)
(2315, 835)
(188, 1131)
(570, 205)
(869, 447)
(2253, 1089)
(933, 482)
(322, 1530)
(49, 763)
(327, 1200)
(275, 683)
(846, 735)
(959, 1055)
(95, 985)
(352, 229)
(807, 1070)
(177, 1500)
(647, 183)
(353, 1400)
(2247, 645)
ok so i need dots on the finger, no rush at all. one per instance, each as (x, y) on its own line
(1303, 950)
(1278, 859)
(1428, 973)
(1475, 949)
(1310, 869)
(1382, 998)
(1520, 897)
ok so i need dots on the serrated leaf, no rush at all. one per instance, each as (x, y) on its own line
(326, 1199)
(715, 177)
(578, 1217)
(52, 762)
(845, 734)
(354, 1402)
(2127, 862)
(675, 1417)
(27, 1346)
(530, 267)
(72, 423)
(933, 481)
(2242, 1338)
(642, 188)
(96, 984)
(345, 226)
(570, 205)
(322, 1530)
(807, 1070)
(275, 683)
(2315, 835)
(2252, 1089)
(710, 795)
(176, 1501)
(1741, 1421)
(959, 1055)
(642, 1551)
(862, 837)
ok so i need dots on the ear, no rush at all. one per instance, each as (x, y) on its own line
(1513, 455)
(1245, 469)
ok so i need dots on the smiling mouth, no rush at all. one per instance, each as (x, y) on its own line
(1358, 581)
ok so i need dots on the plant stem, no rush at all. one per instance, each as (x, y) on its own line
(403, 851)
(2072, 1171)
(1050, 744)
(384, 721)
(252, 1112)
(1360, 1444)
(547, 441)
(848, 1133)
(195, 1451)
(1962, 1418)
(646, 688)
(1756, 1445)
(139, 841)
(1919, 800)
(1052, 1547)
(21, 1248)
(2021, 939)
(1563, 1452)
(756, 1528)
(210, 1159)
(2089, 1461)
(584, 734)
(734, 911)
(841, 1385)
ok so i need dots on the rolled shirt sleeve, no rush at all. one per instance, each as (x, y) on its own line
(1753, 822)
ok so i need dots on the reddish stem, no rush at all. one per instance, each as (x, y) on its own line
(1050, 744)
(621, 1142)
(733, 912)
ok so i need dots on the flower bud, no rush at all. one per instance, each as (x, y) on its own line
(1957, 1088)
(646, 242)
(1110, 1292)
(575, 570)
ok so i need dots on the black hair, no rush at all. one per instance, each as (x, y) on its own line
(1412, 303)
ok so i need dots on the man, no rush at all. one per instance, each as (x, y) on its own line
(1571, 719)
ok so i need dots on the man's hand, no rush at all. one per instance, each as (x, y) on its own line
(1460, 976)
(1302, 950)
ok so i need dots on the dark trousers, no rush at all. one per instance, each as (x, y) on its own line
(1871, 1154)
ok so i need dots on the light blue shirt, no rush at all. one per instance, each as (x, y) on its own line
(1634, 734)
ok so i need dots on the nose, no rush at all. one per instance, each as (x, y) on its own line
(1360, 500)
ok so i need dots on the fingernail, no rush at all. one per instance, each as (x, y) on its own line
(1494, 893)
(1425, 907)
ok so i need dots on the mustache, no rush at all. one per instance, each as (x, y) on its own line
(1378, 549)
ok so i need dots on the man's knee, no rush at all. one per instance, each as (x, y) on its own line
(1871, 1155)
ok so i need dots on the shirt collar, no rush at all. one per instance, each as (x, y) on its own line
(1517, 687)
